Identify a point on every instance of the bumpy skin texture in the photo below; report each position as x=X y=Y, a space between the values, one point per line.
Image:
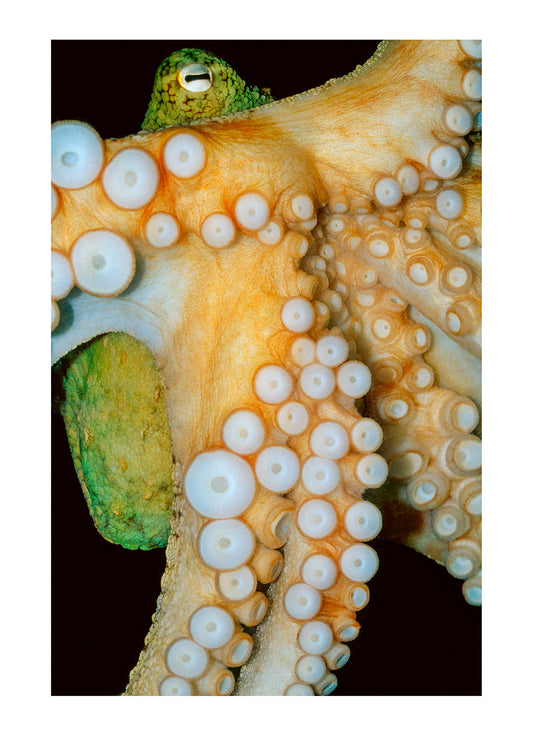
x=117 y=428
x=329 y=269
x=172 y=104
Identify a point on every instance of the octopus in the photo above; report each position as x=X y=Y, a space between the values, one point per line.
x=303 y=280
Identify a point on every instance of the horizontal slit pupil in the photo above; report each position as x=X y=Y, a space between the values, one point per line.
x=196 y=76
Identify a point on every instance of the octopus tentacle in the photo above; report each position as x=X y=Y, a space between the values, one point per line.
x=340 y=216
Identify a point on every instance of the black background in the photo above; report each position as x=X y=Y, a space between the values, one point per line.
x=418 y=636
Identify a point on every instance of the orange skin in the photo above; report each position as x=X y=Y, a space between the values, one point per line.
x=268 y=137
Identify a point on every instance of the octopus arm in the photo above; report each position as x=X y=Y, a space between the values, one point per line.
x=278 y=315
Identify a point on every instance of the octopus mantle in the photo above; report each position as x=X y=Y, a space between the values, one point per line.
x=306 y=276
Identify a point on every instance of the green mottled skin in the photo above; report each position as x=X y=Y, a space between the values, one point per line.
x=171 y=104
x=113 y=406
x=114 y=447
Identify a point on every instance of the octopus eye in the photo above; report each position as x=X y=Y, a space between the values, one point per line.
x=195 y=77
